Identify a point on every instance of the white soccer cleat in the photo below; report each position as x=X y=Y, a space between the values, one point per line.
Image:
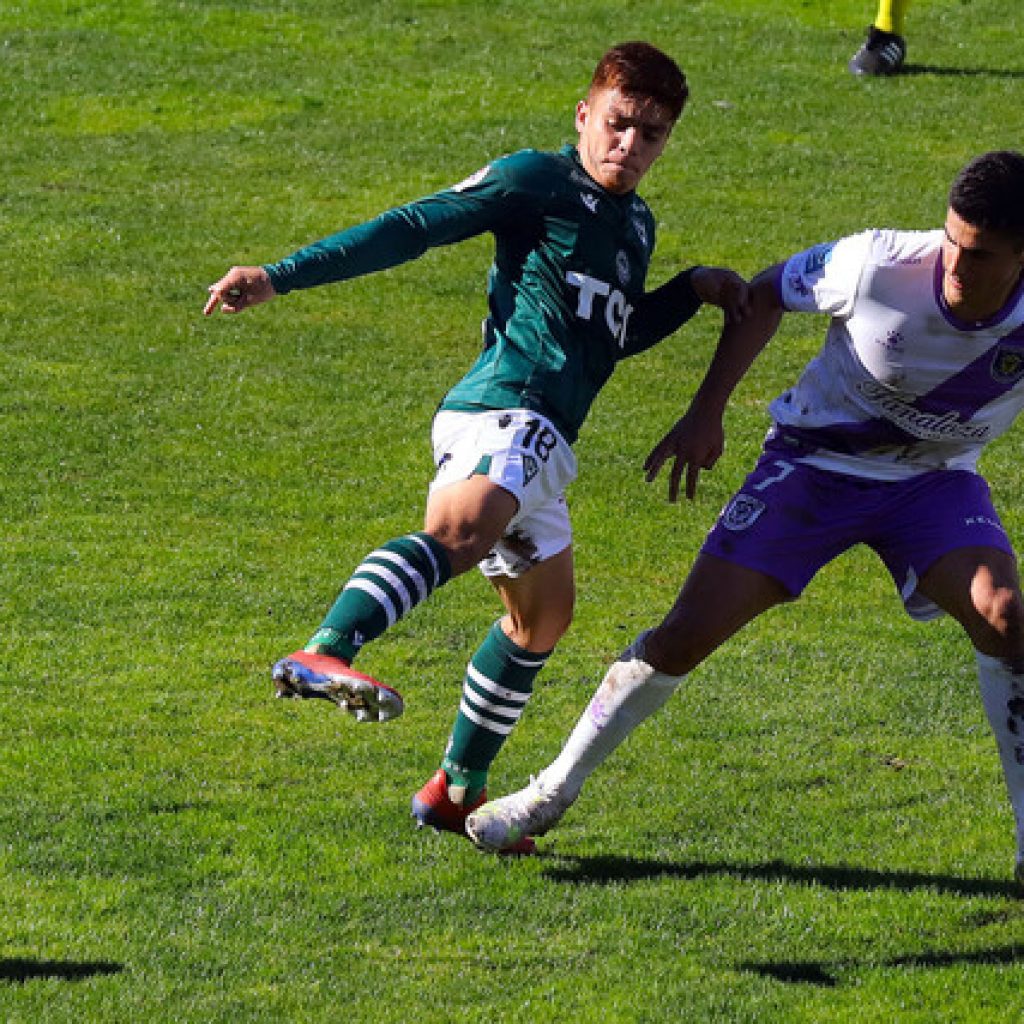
x=500 y=824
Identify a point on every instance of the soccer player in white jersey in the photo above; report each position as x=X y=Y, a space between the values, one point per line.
x=877 y=443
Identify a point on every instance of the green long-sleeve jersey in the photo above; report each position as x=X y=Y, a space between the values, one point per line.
x=565 y=293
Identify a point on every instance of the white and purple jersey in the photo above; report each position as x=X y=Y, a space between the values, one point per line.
x=901 y=386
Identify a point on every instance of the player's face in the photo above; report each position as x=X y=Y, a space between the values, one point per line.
x=621 y=135
x=980 y=268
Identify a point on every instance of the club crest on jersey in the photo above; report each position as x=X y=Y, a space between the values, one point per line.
x=1007 y=364
x=589 y=201
x=530 y=468
x=742 y=512
x=622 y=267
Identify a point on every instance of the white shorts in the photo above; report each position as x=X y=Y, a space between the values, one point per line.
x=523 y=453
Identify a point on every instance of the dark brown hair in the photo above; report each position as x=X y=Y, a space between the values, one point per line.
x=640 y=69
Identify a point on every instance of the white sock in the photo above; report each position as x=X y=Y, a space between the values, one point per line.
x=631 y=691
x=1002 y=693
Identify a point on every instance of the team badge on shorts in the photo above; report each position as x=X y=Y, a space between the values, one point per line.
x=530 y=469
x=742 y=512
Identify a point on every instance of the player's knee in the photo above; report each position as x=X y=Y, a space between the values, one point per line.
x=542 y=631
x=1002 y=609
x=464 y=545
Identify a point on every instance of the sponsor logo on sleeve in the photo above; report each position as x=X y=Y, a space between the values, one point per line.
x=818 y=258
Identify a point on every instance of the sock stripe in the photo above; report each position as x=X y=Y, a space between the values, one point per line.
x=425 y=547
x=486 y=723
x=393 y=582
x=536 y=661
x=487 y=709
x=481 y=682
x=496 y=712
x=409 y=572
x=379 y=595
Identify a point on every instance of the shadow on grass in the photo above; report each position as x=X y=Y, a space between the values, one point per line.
x=823 y=973
x=604 y=870
x=949 y=72
x=21 y=970
x=609 y=870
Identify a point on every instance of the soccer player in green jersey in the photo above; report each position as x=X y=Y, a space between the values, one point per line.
x=566 y=302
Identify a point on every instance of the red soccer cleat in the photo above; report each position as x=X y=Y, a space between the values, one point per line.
x=305 y=675
x=434 y=807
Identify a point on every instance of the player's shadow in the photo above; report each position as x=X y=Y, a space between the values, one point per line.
x=609 y=870
x=940 y=70
x=825 y=973
x=25 y=969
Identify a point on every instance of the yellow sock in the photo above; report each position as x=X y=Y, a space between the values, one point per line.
x=890 y=16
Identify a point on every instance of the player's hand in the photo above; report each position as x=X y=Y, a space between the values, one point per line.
x=238 y=289
x=724 y=288
x=694 y=443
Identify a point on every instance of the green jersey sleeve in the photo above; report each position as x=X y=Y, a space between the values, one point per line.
x=480 y=204
x=661 y=312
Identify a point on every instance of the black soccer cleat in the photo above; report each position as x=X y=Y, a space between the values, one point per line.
x=882 y=53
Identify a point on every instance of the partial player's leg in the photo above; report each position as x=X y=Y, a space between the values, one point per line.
x=885 y=49
x=980 y=588
x=497 y=685
x=463 y=521
x=500 y=676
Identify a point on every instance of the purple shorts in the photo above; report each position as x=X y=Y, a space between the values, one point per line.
x=789 y=519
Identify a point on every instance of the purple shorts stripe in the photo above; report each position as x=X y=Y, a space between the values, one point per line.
x=789 y=519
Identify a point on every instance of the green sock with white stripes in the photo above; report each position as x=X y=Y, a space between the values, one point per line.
x=498 y=683
x=387 y=584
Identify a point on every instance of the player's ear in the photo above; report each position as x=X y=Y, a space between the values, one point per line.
x=582 y=113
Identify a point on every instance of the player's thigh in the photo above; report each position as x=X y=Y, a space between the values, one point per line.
x=517 y=449
x=540 y=602
x=980 y=588
x=467 y=517
x=717 y=600
x=947 y=550
x=500 y=474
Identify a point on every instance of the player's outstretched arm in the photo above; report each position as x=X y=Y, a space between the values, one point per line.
x=238 y=289
x=697 y=440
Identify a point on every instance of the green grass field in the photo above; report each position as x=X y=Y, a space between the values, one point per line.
x=814 y=830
